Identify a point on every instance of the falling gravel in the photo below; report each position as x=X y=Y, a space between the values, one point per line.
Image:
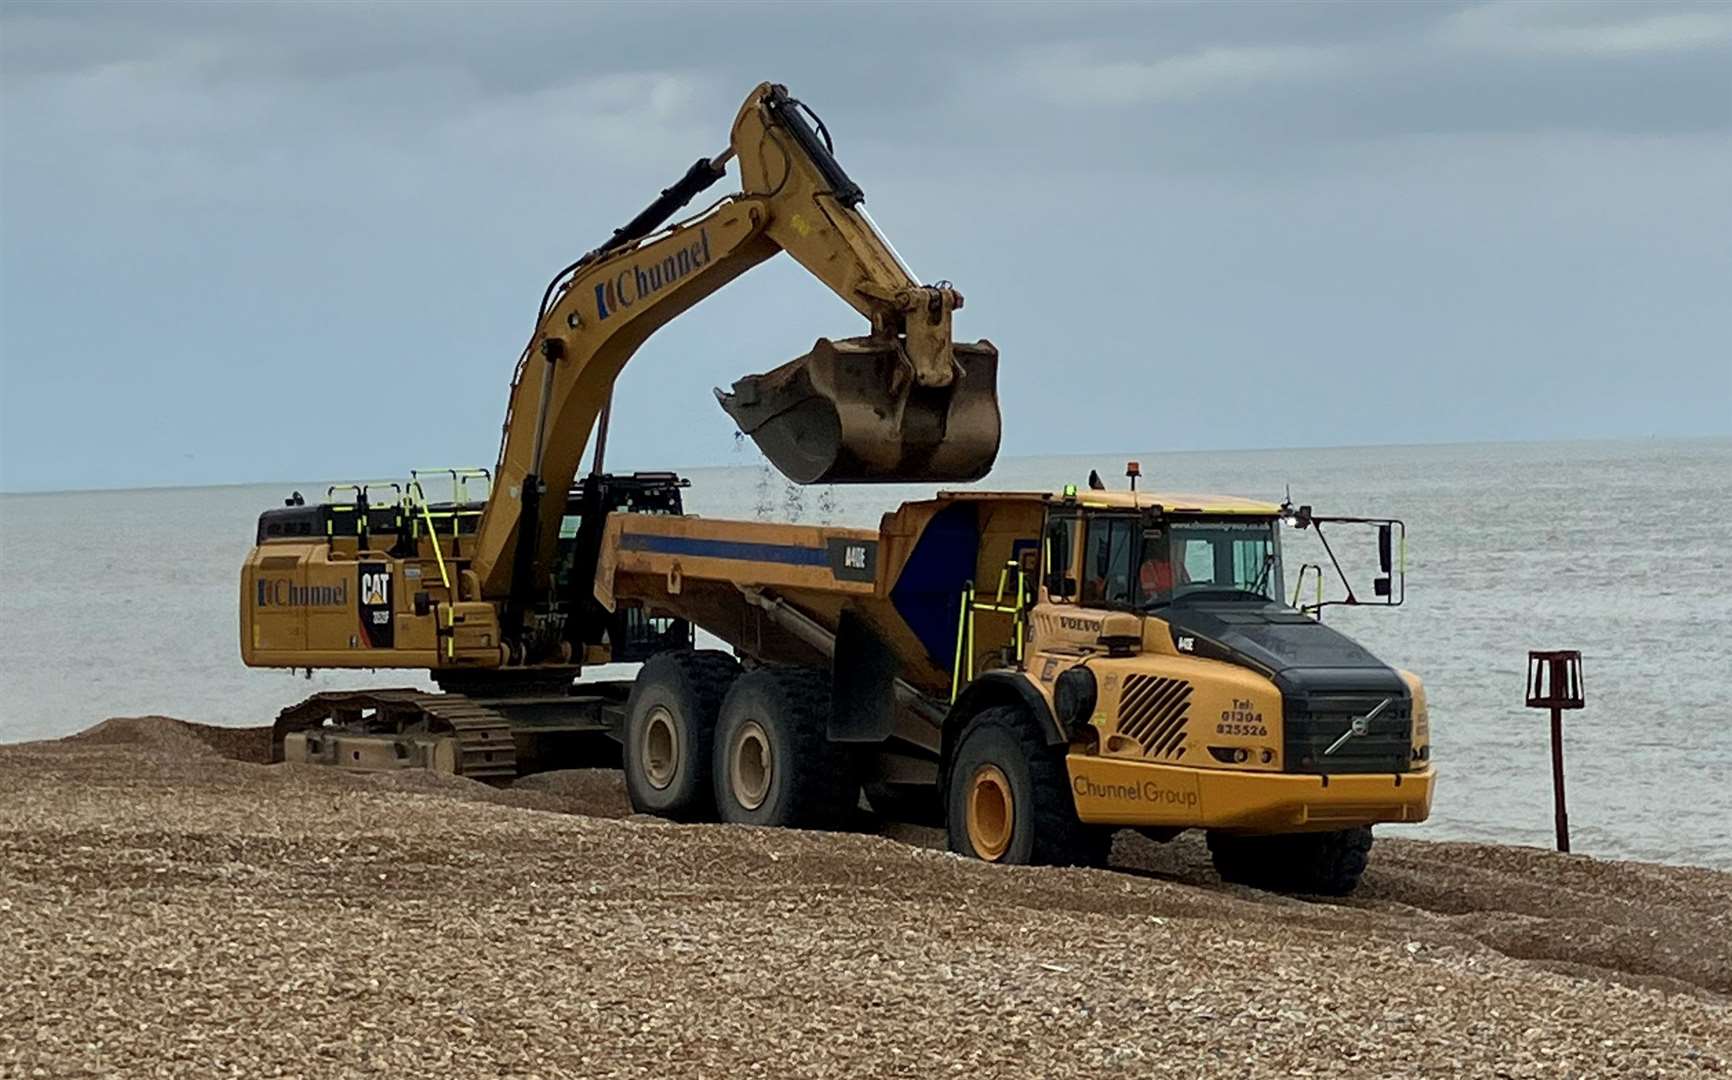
x=171 y=907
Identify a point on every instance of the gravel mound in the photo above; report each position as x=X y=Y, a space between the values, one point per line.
x=593 y=792
x=191 y=915
x=159 y=734
x=163 y=734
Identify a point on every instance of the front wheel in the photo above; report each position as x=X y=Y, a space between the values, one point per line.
x=1325 y=863
x=1007 y=801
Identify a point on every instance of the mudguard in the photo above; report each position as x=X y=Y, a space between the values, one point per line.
x=863 y=693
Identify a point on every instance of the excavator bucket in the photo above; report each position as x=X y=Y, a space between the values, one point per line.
x=848 y=412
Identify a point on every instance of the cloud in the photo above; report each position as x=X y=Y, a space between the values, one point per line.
x=373 y=195
x=1077 y=76
x=656 y=118
x=1588 y=30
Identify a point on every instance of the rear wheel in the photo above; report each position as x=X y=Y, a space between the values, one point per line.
x=1325 y=863
x=669 y=730
x=774 y=763
x=1007 y=801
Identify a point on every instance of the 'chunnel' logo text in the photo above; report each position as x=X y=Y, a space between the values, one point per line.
x=281 y=592
x=1148 y=791
x=634 y=283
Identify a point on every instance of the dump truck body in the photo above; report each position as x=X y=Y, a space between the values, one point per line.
x=1194 y=702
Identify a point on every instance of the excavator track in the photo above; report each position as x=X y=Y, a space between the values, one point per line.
x=381 y=730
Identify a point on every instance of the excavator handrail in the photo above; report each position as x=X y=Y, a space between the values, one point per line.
x=432 y=534
x=459 y=479
x=360 y=508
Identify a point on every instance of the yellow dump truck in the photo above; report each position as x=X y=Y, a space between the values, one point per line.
x=1035 y=670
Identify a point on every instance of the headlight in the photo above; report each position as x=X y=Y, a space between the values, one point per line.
x=1073 y=698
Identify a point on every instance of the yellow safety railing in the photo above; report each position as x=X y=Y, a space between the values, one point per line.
x=363 y=498
x=334 y=508
x=459 y=496
x=455 y=517
x=962 y=665
x=1299 y=586
x=416 y=499
x=459 y=480
x=397 y=502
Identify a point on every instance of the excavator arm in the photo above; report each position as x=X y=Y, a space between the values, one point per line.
x=902 y=403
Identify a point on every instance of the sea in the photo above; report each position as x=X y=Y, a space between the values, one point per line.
x=123 y=603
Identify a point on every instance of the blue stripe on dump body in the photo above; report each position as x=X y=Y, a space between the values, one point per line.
x=792 y=554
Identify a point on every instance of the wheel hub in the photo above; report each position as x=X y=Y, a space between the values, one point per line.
x=991 y=812
x=750 y=768
x=660 y=747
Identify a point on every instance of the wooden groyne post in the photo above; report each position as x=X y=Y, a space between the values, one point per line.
x=1555 y=683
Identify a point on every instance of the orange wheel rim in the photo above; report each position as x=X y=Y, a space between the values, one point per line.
x=991 y=812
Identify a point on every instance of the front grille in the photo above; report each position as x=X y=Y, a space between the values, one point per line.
x=1154 y=711
x=1313 y=724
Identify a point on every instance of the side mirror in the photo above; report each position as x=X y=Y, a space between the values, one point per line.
x=1390 y=584
x=1121 y=633
x=1029 y=563
x=1066 y=587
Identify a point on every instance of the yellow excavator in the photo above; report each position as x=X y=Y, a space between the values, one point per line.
x=494 y=595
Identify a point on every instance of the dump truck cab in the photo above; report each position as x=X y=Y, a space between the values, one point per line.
x=1191 y=692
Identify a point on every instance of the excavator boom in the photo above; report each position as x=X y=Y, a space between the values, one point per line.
x=902 y=402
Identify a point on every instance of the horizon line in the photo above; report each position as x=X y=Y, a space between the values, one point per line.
x=684 y=469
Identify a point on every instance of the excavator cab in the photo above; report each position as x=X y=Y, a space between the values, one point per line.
x=851 y=412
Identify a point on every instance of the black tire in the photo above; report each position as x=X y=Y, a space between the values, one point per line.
x=773 y=761
x=1043 y=829
x=1322 y=863
x=670 y=726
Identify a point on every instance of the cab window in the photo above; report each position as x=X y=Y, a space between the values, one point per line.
x=1197 y=556
x=1108 y=561
x=1060 y=556
x=1226 y=557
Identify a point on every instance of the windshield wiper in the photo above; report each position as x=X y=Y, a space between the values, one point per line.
x=1268 y=563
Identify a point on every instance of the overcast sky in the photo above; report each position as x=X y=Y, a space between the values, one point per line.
x=258 y=242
